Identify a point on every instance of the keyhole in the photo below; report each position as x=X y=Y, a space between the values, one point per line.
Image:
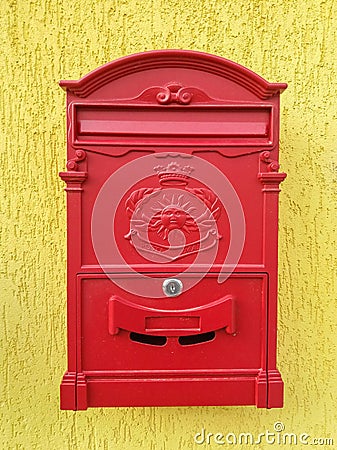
x=172 y=287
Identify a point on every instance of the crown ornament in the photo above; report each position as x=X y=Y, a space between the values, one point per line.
x=173 y=174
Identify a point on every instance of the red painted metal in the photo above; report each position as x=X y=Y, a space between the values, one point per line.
x=165 y=319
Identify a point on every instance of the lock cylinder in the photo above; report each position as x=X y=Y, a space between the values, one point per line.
x=172 y=287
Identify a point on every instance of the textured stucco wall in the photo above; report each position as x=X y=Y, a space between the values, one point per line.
x=44 y=41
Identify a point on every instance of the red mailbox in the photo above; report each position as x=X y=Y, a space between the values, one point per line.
x=172 y=211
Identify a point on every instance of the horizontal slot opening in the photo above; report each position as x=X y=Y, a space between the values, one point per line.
x=148 y=339
x=97 y=124
x=133 y=127
x=196 y=338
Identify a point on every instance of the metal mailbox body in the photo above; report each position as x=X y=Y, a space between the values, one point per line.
x=172 y=213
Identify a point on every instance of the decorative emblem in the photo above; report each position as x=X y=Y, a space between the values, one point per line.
x=273 y=166
x=175 y=92
x=173 y=220
x=80 y=155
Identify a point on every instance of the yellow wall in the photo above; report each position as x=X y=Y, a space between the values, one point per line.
x=47 y=40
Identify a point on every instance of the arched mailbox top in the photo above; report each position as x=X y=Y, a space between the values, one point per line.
x=142 y=100
x=189 y=60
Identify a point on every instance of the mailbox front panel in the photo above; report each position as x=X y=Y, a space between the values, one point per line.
x=226 y=330
x=172 y=186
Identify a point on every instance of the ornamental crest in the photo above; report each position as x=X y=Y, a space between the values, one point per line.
x=172 y=220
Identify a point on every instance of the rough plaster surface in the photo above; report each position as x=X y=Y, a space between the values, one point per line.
x=44 y=41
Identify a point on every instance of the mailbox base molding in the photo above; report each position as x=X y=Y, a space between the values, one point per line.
x=269 y=389
x=68 y=393
x=232 y=389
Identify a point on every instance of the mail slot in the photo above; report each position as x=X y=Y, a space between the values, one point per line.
x=172 y=188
